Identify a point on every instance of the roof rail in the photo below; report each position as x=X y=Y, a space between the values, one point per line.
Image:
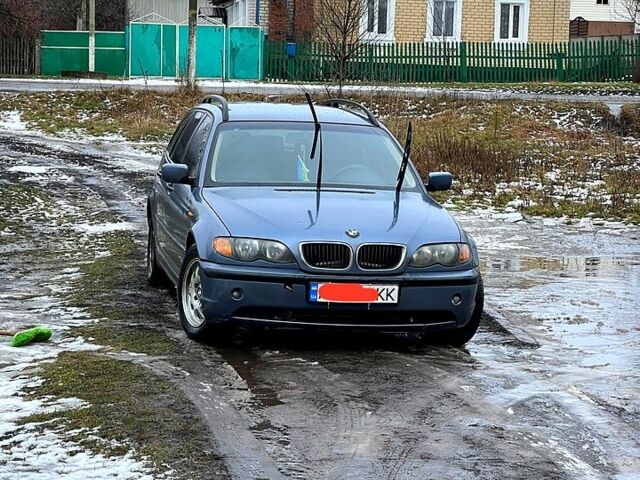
x=354 y=107
x=220 y=102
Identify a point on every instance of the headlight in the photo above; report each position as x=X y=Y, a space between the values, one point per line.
x=447 y=254
x=247 y=249
x=251 y=249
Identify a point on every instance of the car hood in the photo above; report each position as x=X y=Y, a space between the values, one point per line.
x=290 y=215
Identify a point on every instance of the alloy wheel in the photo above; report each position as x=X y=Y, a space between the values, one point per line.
x=191 y=297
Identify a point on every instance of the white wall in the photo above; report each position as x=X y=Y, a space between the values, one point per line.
x=590 y=10
x=264 y=13
x=177 y=10
x=174 y=10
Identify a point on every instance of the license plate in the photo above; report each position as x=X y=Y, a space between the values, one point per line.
x=353 y=293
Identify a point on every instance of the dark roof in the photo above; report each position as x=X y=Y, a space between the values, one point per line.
x=283 y=112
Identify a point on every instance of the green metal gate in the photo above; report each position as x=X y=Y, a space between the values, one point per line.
x=210 y=41
x=159 y=49
x=69 y=51
x=245 y=47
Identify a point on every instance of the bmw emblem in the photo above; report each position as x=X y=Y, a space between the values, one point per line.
x=352 y=232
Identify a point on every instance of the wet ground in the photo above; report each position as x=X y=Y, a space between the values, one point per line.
x=294 y=405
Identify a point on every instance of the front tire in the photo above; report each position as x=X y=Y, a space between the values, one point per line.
x=190 y=306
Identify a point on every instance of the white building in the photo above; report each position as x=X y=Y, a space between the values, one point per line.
x=601 y=18
x=238 y=12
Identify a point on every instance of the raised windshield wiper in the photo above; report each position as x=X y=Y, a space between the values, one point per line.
x=317 y=142
x=401 y=175
x=405 y=158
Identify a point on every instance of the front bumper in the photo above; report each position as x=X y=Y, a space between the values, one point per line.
x=279 y=298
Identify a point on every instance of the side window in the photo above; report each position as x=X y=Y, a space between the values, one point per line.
x=179 y=149
x=195 y=150
x=176 y=134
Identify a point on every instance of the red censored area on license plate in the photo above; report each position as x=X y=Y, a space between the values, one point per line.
x=353 y=293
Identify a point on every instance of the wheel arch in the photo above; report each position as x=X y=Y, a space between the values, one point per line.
x=191 y=239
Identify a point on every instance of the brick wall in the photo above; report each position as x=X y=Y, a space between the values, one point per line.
x=264 y=14
x=303 y=19
x=303 y=23
x=478 y=20
x=547 y=25
x=411 y=20
x=277 y=19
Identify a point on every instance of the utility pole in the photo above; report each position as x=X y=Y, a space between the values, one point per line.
x=191 y=49
x=92 y=35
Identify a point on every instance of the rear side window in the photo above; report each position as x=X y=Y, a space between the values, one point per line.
x=196 y=146
x=176 y=134
x=177 y=153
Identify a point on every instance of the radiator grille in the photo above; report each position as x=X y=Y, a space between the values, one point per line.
x=333 y=256
x=380 y=256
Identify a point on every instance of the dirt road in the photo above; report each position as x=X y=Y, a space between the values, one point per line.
x=293 y=405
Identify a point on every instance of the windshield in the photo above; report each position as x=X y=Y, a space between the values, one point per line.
x=260 y=153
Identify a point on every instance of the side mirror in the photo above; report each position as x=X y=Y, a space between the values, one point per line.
x=439 y=181
x=176 y=173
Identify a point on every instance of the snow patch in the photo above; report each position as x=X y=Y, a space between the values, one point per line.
x=41 y=453
x=12 y=121
x=32 y=169
x=98 y=229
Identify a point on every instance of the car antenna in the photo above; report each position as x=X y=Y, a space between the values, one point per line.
x=317 y=142
x=405 y=157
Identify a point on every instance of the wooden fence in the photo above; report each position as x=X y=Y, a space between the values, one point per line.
x=18 y=56
x=607 y=60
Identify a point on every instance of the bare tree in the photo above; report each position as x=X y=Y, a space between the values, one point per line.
x=191 y=49
x=630 y=10
x=21 y=17
x=343 y=28
x=28 y=17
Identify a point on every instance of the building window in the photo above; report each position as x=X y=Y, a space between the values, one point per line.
x=512 y=21
x=378 y=18
x=237 y=13
x=602 y=2
x=444 y=19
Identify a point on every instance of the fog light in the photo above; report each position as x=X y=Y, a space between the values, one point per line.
x=237 y=294
x=456 y=299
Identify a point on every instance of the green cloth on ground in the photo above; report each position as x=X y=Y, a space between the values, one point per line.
x=36 y=334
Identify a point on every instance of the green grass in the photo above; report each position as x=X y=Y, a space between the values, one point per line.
x=630 y=119
x=109 y=289
x=629 y=88
x=128 y=409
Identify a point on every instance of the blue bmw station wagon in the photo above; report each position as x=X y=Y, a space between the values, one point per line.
x=308 y=215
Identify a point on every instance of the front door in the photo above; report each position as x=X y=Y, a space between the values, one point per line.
x=180 y=205
x=170 y=199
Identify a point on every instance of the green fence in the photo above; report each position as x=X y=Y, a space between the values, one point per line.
x=160 y=50
x=69 y=51
x=457 y=62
